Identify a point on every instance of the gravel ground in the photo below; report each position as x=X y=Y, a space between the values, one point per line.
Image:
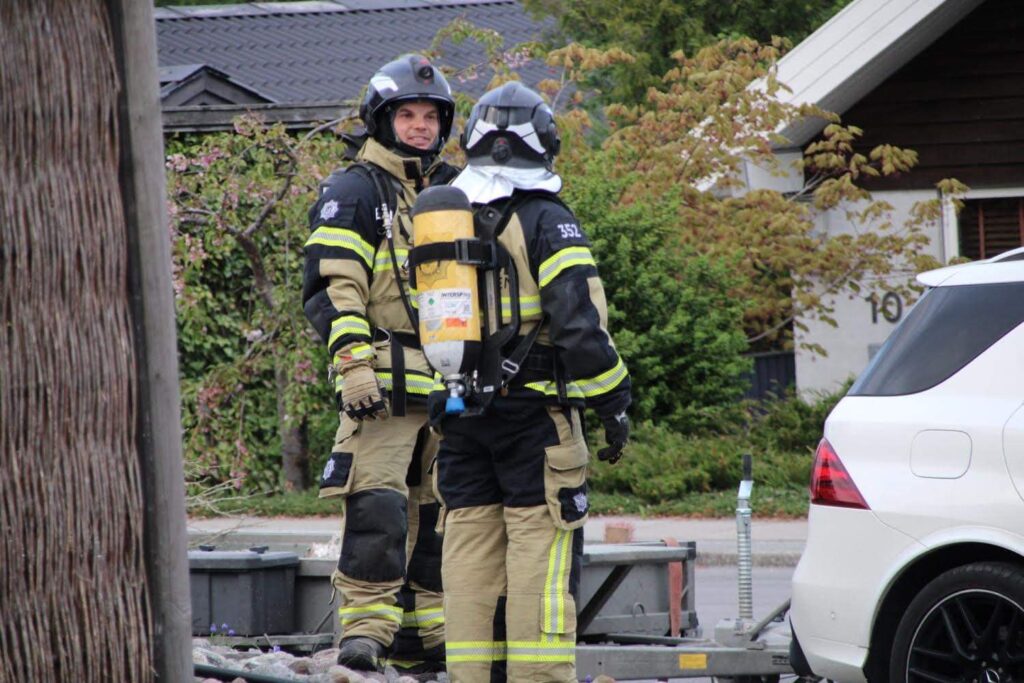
x=320 y=667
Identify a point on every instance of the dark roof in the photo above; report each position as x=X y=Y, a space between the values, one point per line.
x=311 y=54
x=199 y=84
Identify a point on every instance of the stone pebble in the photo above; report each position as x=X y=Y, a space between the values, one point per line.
x=319 y=667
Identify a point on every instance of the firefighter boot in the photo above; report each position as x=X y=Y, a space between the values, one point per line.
x=361 y=654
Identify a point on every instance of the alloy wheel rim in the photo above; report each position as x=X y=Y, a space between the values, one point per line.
x=971 y=636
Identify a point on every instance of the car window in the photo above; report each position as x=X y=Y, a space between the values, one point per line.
x=946 y=330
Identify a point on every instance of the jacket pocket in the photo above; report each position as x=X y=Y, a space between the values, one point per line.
x=565 y=483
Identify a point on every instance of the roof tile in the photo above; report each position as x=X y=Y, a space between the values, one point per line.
x=302 y=54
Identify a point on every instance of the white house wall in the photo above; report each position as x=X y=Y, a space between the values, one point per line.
x=862 y=326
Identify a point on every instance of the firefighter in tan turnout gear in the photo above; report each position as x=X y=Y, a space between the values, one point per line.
x=512 y=475
x=355 y=293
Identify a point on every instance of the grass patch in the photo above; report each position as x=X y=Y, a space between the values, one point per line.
x=292 y=504
x=767 y=502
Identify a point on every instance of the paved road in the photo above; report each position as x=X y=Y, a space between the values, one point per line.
x=774 y=542
x=717 y=598
x=717 y=593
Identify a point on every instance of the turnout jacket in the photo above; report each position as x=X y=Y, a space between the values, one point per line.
x=350 y=290
x=573 y=360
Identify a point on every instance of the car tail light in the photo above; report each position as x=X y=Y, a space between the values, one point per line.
x=831 y=484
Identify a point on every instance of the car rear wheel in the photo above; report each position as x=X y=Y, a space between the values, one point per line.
x=966 y=625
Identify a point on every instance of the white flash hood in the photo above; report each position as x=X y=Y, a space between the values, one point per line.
x=484 y=184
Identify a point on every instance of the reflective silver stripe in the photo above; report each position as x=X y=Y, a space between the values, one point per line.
x=604 y=382
x=475 y=651
x=551 y=389
x=528 y=306
x=382 y=261
x=345 y=239
x=541 y=651
x=423 y=617
x=559 y=558
x=379 y=610
x=414 y=384
x=348 y=324
x=357 y=351
x=563 y=260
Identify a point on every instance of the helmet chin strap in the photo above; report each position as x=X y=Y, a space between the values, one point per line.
x=425 y=155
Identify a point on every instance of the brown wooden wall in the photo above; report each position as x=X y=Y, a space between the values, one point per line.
x=960 y=104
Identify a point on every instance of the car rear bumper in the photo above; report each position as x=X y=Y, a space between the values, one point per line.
x=849 y=560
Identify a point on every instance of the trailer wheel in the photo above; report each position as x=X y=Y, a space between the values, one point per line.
x=967 y=624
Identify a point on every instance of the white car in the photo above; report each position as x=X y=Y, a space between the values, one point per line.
x=914 y=564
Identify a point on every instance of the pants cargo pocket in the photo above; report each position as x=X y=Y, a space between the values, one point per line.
x=558 y=615
x=336 y=479
x=565 y=483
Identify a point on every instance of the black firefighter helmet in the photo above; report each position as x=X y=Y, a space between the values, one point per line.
x=410 y=78
x=512 y=126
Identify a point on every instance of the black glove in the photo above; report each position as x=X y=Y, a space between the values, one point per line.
x=435 y=407
x=616 y=434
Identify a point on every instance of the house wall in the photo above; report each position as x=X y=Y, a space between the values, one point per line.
x=862 y=324
x=959 y=104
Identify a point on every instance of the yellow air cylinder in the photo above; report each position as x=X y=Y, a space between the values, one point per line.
x=448 y=297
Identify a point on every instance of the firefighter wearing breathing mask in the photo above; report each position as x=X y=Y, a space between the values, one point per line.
x=512 y=466
x=356 y=295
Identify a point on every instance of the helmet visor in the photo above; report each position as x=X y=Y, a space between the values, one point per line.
x=503 y=117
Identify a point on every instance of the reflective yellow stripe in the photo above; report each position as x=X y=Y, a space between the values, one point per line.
x=405 y=663
x=348 y=324
x=345 y=239
x=559 y=559
x=378 y=610
x=551 y=389
x=528 y=306
x=414 y=383
x=604 y=382
x=562 y=260
x=541 y=651
x=357 y=351
x=382 y=261
x=423 y=617
x=475 y=651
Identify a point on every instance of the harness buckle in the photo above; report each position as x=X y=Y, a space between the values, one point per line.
x=475 y=252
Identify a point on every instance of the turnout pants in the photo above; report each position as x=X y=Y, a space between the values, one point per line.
x=514 y=494
x=389 y=572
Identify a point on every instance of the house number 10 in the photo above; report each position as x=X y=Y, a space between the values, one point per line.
x=890 y=307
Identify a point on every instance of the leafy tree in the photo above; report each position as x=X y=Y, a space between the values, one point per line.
x=653 y=30
x=686 y=146
x=252 y=368
x=671 y=311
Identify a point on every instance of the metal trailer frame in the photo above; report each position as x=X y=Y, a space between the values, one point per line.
x=745 y=649
x=742 y=650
